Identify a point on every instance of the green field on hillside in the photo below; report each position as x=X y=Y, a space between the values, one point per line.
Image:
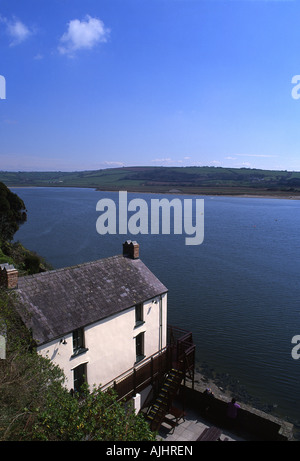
x=190 y=180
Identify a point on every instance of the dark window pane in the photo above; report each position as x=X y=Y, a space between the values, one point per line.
x=79 y=376
x=78 y=339
x=139 y=344
x=139 y=313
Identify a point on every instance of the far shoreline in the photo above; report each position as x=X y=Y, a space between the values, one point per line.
x=166 y=192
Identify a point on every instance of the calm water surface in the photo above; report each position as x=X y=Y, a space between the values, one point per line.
x=238 y=292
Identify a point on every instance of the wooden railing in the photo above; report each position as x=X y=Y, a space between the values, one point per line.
x=180 y=351
x=182 y=343
x=137 y=378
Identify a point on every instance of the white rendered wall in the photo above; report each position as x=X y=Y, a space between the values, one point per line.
x=111 y=343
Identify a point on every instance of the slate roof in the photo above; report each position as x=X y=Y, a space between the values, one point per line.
x=60 y=301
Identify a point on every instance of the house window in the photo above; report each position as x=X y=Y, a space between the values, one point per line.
x=139 y=347
x=139 y=314
x=79 y=377
x=78 y=342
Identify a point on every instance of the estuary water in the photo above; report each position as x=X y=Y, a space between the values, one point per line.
x=238 y=292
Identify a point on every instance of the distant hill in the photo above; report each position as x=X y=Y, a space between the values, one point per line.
x=188 y=180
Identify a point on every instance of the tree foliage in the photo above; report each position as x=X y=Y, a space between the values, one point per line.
x=25 y=376
x=36 y=406
x=92 y=415
x=12 y=213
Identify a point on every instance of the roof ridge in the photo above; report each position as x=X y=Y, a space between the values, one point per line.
x=75 y=266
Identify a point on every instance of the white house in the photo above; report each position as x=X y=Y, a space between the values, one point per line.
x=95 y=320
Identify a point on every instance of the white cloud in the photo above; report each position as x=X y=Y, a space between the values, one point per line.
x=114 y=164
x=38 y=57
x=257 y=155
x=17 y=31
x=163 y=161
x=17 y=161
x=83 y=34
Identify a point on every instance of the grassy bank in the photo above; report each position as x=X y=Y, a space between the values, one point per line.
x=27 y=262
x=182 y=180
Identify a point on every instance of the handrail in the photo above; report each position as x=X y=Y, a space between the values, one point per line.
x=135 y=376
x=190 y=349
x=171 y=327
x=131 y=370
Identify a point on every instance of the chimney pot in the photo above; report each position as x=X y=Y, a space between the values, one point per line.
x=131 y=249
x=8 y=276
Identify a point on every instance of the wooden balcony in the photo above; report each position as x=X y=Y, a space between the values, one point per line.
x=179 y=352
x=183 y=351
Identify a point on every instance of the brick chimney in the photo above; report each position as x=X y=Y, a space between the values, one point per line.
x=8 y=276
x=131 y=249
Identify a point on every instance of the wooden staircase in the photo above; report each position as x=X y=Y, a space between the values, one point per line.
x=159 y=409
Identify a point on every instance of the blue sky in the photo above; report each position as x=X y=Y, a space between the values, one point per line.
x=102 y=83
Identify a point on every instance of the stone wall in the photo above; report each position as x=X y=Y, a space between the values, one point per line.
x=254 y=424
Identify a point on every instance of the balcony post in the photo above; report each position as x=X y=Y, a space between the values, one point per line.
x=134 y=380
x=151 y=370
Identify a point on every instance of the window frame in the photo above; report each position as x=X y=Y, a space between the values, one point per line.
x=139 y=315
x=140 y=347
x=78 y=339
x=79 y=376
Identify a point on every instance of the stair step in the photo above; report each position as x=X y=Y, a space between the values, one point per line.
x=174 y=370
x=163 y=404
x=171 y=383
x=160 y=407
x=152 y=412
x=156 y=415
x=169 y=386
x=171 y=378
x=163 y=398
